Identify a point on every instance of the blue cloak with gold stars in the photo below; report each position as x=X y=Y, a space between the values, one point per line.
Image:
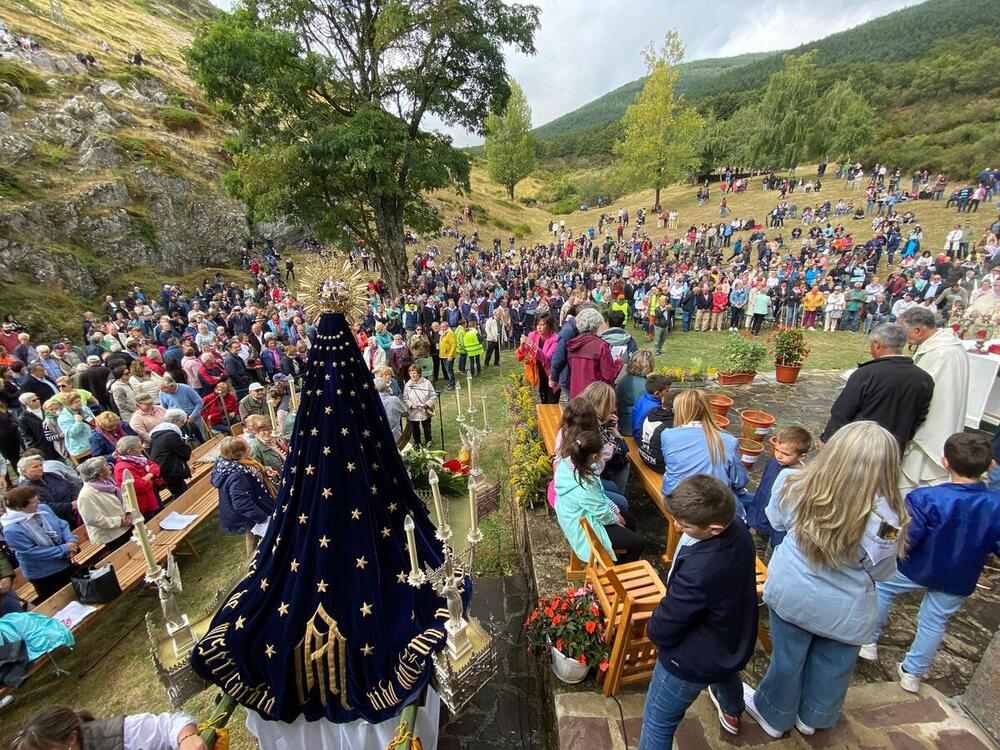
x=326 y=625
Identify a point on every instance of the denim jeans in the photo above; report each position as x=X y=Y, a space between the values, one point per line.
x=668 y=698
x=619 y=478
x=808 y=677
x=461 y=362
x=932 y=619
x=791 y=315
x=448 y=367
x=850 y=322
x=611 y=490
x=686 y=320
x=475 y=366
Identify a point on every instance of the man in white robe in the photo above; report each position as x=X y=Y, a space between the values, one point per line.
x=941 y=354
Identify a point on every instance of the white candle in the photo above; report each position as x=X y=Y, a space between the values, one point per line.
x=484 y=412
x=291 y=394
x=411 y=543
x=473 y=511
x=469 y=386
x=432 y=479
x=141 y=535
x=270 y=411
x=458 y=399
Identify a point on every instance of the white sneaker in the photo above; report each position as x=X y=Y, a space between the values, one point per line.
x=869 y=652
x=909 y=682
x=811 y=328
x=803 y=728
x=755 y=714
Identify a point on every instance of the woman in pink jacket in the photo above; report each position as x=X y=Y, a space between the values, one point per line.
x=537 y=347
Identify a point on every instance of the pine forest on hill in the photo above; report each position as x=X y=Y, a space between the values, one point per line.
x=925 y=70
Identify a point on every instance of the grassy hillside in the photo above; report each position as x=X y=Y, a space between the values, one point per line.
x=695 y=76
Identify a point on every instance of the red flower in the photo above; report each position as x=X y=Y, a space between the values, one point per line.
x=559 y=645
x=556 y=620
x=582 y=659
x=603 y=666
x=549 y=612
x=595 y=610
x=455 y=466
x=591 y=626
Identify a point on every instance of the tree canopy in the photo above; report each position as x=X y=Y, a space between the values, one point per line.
x=330 y=98
x=509 y=145
x=661 y=138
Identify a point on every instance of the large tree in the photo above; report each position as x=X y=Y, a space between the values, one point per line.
x=786 y=114
x=662 y=136
x=509 y=145
x=845 y=123
x=330 y=100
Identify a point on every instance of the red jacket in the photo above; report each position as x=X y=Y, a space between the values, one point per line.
x=213 y=412
x=589 y=359
x=145 y=491
x=720 y=300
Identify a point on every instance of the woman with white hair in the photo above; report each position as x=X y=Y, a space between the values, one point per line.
x=588 y=356
x=171 y=452
x=211 y=373
x=101 y=507
x=143 y=380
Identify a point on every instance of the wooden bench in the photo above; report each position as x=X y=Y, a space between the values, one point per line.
x=652 y=482
x=549 y=419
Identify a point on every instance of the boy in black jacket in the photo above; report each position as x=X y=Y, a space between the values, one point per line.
x=706 y=625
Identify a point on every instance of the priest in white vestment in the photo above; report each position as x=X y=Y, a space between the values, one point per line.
x=941 y=354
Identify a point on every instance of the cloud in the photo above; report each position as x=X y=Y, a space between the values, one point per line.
x=589 y=47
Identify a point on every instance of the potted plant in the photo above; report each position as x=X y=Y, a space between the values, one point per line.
x=570 y=629
x=741 y=358
x=790 y=352
x=452 y=475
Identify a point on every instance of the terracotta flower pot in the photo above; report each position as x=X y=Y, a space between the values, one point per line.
x=749 y=450
x=786 y=373
x=756 y=424
x=736 y=378
x=721 y=422
x=720 y=404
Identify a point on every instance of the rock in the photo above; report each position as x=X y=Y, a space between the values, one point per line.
x=110 y=89
x=98 y=152
x=4 y=122
x=10 y=97
x=15 y=147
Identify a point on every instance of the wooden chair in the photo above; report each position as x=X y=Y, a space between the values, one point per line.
x=237 y=429
x=652 y=482
x=79 y=458
x=634 y=586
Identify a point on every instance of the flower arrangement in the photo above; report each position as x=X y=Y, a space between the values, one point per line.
x=741 y=354
x=452 y=475
x=790 y=347
x=572 y=624
x=530 y=467
x=696 y=373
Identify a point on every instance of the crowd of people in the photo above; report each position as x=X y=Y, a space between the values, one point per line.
x=155 y=373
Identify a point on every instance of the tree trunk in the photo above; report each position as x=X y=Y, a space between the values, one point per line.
x=657 y=201
x=510 y=191
x=391 y=248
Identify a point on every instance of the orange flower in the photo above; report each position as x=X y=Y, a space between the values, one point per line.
x=582 y=659
x=549 y=611
x=559 y=645
x=603 y=666
x=591 y=626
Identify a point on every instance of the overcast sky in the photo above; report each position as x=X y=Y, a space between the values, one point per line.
x=586 y=48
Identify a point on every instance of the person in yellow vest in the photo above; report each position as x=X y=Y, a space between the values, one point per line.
x=460 y=344
x=447 y=348
x=621 y=305
x=473 y=348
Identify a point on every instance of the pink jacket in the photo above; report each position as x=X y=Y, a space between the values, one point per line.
x=589 y=359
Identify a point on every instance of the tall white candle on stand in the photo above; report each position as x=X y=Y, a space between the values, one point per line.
x=473 y=511
x=270 y=411
x=141 y=535
x=468 y=385
x=484 y=412
x=458 y=399
x=411 y=544
x=432 y=479
x=291 y=394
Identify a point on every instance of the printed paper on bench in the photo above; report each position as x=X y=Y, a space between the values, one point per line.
x=176 y=521
x=73 y=614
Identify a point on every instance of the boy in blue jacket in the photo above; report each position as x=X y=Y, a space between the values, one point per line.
x=790 y=446
x=656 y=388
x=955 y=527
x=706 y=625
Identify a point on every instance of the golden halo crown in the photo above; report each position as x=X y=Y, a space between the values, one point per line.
x=330 y=284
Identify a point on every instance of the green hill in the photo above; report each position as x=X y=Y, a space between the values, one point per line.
x=695 y=76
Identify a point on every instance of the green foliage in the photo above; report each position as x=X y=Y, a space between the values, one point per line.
x=786 y=114
x=844 y=123
x=661 y=143
x=11 y=187
x=177 y=119
x=790 y=347
x=26 y=80
x=509 y=146
x=338 y=145
x=741 y=354
x=147 y=152
x=51 y=154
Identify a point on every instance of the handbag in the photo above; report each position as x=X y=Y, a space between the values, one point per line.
x=531 y=371
x=100 y=589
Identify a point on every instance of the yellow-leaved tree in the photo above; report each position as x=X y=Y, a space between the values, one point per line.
x=662 y=136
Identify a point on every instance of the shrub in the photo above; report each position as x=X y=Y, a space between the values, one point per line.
x=177 y=119
x=741 y=355
x=572 y=624
x=530 y=467
x=790 y=347
x=26 y=80
x=50 y=154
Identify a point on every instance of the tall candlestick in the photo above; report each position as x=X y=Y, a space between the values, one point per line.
x=270 y=411
x=468 y=385
x=475 y=535
x=141 y=536
x=291 y=394
x=411 y=543
x=484 y=412
x=432 y=479
x=458 y=399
